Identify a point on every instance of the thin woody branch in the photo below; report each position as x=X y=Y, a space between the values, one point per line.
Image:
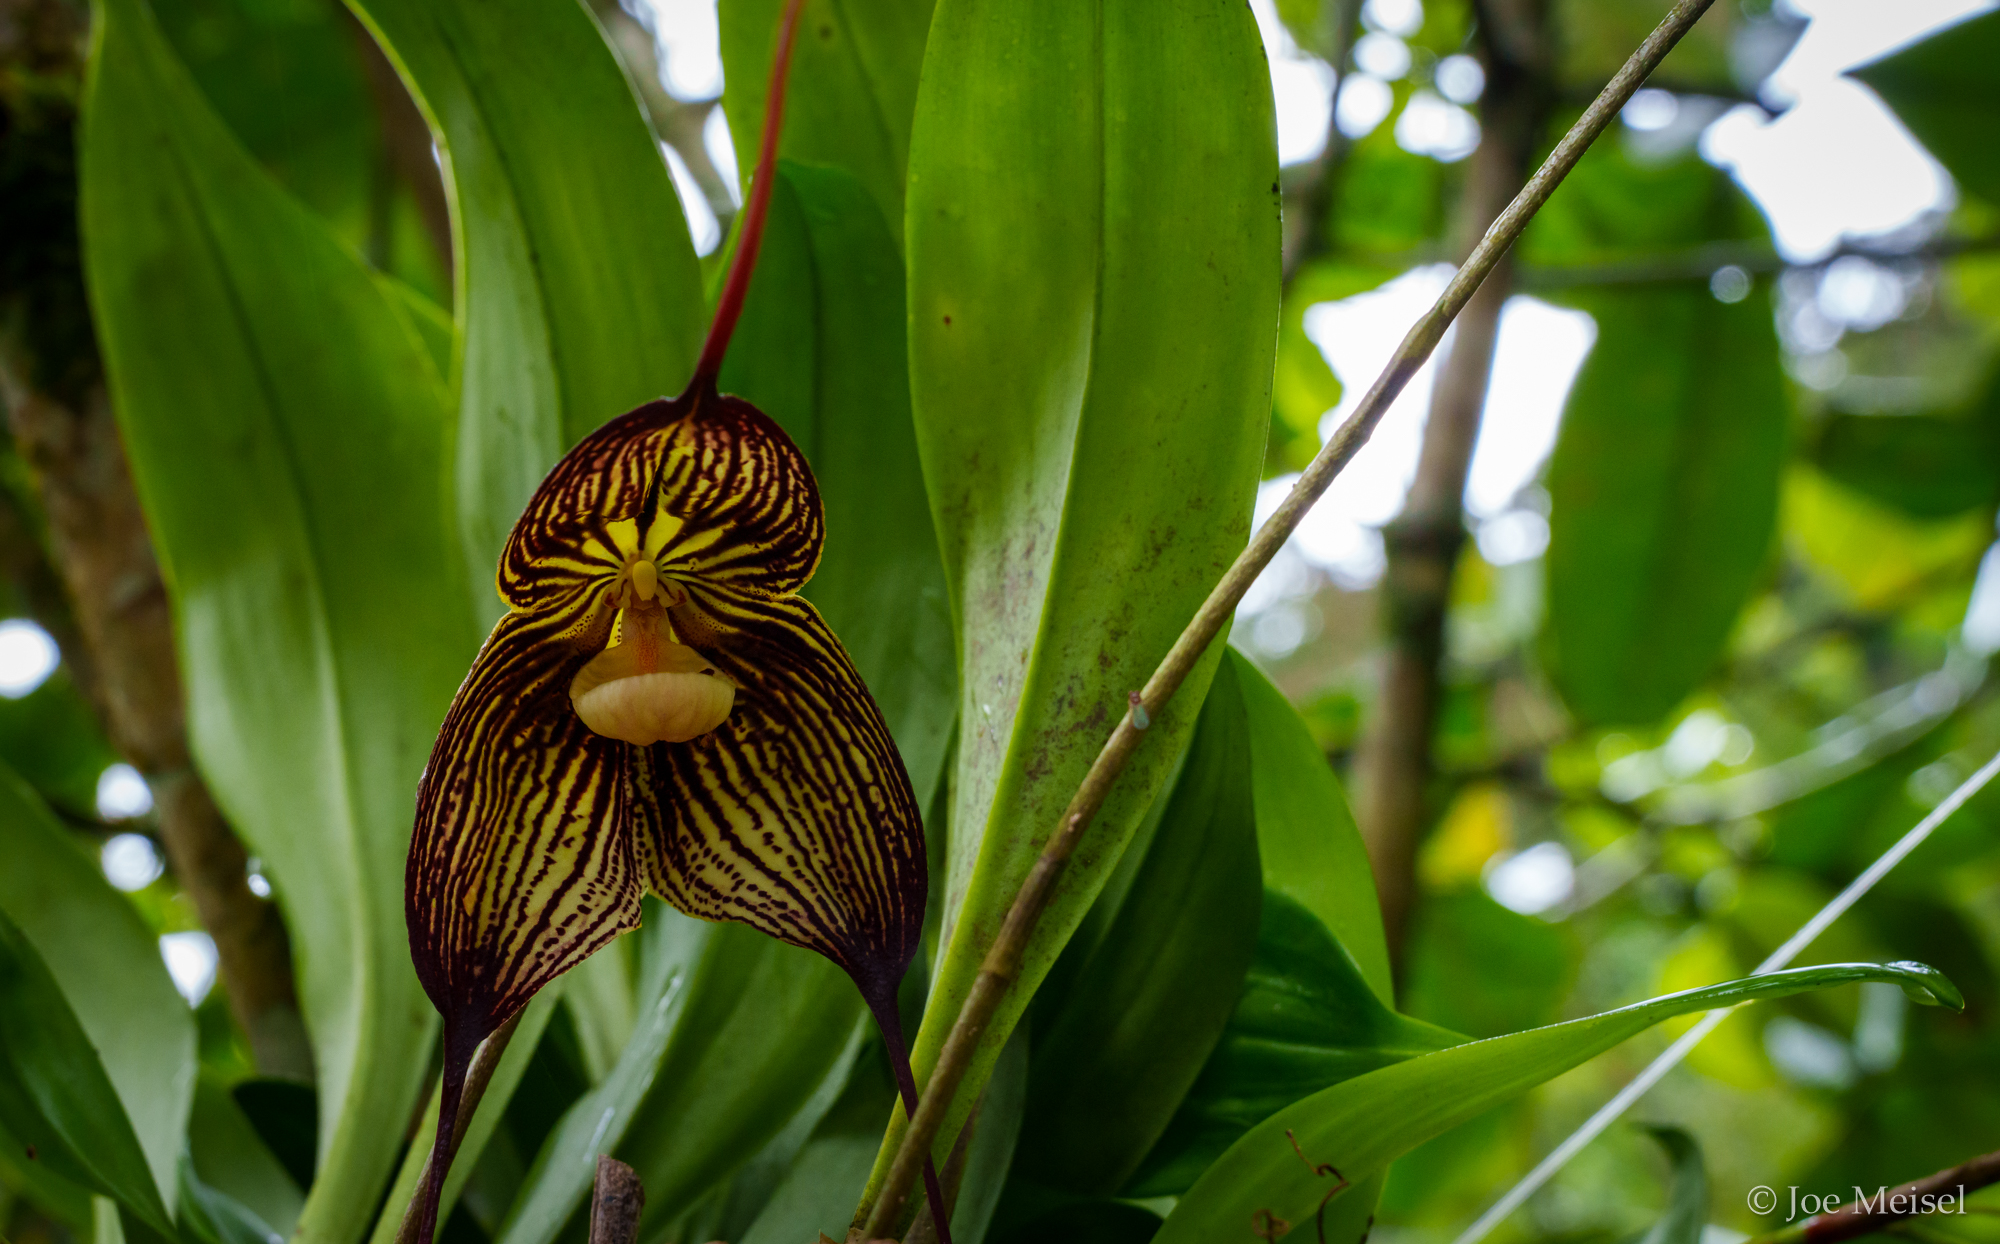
x=676 y=122
x=1003 y=961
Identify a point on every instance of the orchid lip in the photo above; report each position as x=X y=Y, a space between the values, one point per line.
x=649 y=688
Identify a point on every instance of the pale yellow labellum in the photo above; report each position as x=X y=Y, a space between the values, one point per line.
x=648 y=689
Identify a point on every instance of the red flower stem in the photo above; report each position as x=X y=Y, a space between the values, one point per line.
x=730 y=306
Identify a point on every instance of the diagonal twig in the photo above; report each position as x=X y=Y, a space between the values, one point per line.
x=1003 y=961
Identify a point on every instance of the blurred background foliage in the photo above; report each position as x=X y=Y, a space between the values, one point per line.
x=1722 y=629
x=1728 y=639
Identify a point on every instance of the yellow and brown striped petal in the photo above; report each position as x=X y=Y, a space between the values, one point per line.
x=795 y=816
x=550 y=554
x=523 y=861
x=708 y=485
x=535 y=837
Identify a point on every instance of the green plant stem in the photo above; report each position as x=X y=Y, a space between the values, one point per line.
x=1003 y=961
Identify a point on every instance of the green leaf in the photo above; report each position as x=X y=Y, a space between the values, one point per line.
x=1149 y=1004
x=55 y=1098
x=1093 y=309
x=602 y=1006
x=1598 y=35
x=1308 y=22
x=675 y=951
x=1620 y=204
x=1926 y=465
x=821 y=349
x=580 y=296
x=285 y=1115
x=1313 y=858
x=286 y=429
x=818 y=1191
x=209 y=1216
x=1943 y=88
x=1479 y=968
x=735 y=1032
x=1304 y=388
x=1306 y=1020
x=67 y=1201
x=107 y=964
x=733 y=1206
x=1306 y=837
x=486 y=1117
x=325 y=144
x=229 y=1157
x=1687 y=1190
x=996 y=1135
x=1389 y=200
x=852 y=93
x=1359 y=1126
x=765 y=1024
x=1663 y=497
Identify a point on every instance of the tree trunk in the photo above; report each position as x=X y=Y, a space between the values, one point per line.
x=52 y=383
x=1394 y=766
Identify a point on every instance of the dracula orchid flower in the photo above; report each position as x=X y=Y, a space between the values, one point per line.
x=660 y=711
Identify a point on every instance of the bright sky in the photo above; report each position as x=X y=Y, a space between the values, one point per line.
x=1536 y=357
x=1836 y=161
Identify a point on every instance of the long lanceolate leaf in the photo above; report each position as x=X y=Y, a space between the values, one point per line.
x=1093 y=310
x=854 y=88
x=56 y=1102
x=1664 y=494
x=1279 y=1171
x=579 y=293
x=107 y=965
x=1151 y=1001
x=285 y=424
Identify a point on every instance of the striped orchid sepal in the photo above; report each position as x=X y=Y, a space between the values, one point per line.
x=660 y=710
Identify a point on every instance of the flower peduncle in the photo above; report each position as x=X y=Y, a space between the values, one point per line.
x=730 y=305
